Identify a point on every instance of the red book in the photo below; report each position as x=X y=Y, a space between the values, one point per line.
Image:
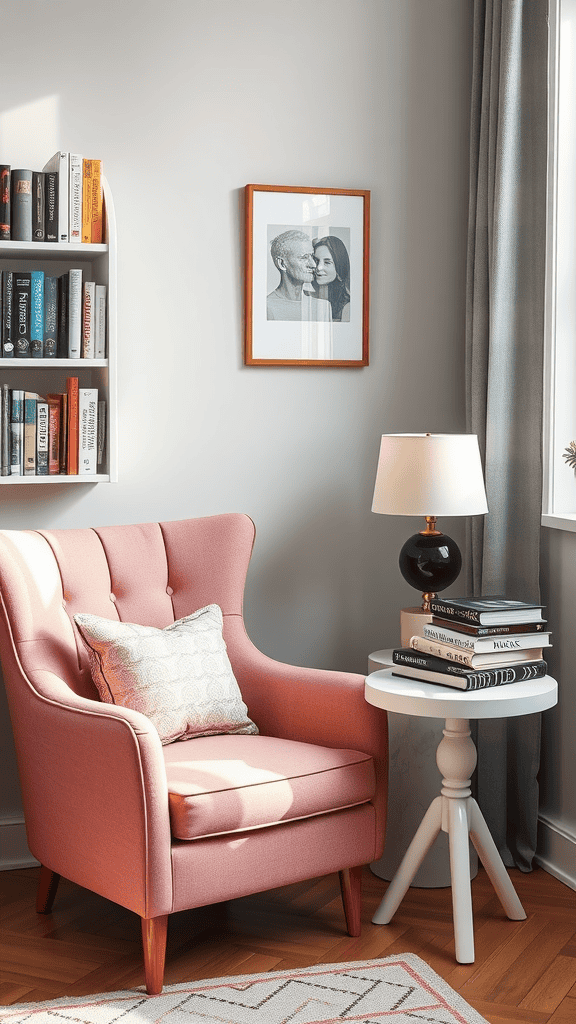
x=72 y=456
x=54 y=415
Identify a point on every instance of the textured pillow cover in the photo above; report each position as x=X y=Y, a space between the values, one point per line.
x=180 y=677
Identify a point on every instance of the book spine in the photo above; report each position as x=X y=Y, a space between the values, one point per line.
x=54 y=413
x=42 y=438
x=21 y=314
x=30 y=402
x=38 y=205
x=488 y=631
x=101 y=440
x=442 y=636
x=63 y=193
x=97 y=213
x=444 y=651
x=64 y=433
x=75 y=211
x=87 y=200
x=51 y=206
x=21 y=208
x=50 y=317
x=37 y=314
x=88 y=320
x=6 y=416
x=74 y=314
x=475 y=680
x=72 y=442
x=7 y=314
x=88 y=430
x=448 y=611
x=17 y=433
x=100 y=322
x=59 y=164
x=5 y=202
x=63 y=290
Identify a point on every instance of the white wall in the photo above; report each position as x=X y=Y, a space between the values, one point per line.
x=557 y=837
x=186 y=103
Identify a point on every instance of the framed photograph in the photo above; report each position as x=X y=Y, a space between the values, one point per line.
x=307 y=276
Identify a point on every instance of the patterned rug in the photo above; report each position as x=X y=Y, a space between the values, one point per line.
x=400 y=989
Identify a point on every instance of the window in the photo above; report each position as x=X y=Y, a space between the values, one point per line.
x=559 y=494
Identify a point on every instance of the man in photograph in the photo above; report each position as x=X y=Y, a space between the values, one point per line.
x=293 y=256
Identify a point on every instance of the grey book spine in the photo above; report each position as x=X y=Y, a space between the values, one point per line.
x=50 y=317
x=21 y=208
x=6 y=416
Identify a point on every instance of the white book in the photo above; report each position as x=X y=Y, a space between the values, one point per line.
x=100 y=322
x=42 y=438
x=75 y=314
x=75 y=199
x=87 y=430
x=60 y=162
x=485 y=644
x=101 y=442
x=88 y=311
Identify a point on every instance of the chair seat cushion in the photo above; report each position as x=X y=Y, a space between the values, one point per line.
x=220 y=784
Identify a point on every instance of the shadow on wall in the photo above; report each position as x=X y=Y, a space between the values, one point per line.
x=308 y=594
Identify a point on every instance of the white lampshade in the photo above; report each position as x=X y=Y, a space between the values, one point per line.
x=429 y=475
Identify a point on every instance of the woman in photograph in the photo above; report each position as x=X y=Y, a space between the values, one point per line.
x=332 y=275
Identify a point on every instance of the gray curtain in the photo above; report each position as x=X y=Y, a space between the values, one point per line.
x=504 y=360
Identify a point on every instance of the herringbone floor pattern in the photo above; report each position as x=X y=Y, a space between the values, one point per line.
x=524 y=971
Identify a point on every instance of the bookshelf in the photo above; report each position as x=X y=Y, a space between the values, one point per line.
x=98 y=263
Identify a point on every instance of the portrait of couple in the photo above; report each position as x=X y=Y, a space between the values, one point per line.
x=314 y=280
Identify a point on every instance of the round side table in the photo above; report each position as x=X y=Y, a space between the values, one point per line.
x=413 y=783
x=455 y=811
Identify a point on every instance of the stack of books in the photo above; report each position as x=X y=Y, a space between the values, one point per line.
x=45 y=317
x=53 y=434
x=475 y=643
x=61 y=203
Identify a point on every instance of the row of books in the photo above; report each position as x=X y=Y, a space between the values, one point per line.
x=56 y=434
x=44 y=317
x=61 y=203
x=475 y=643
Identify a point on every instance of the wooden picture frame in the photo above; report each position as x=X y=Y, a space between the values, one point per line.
x=306 y=286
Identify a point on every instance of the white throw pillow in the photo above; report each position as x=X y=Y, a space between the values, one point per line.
x=180 y=677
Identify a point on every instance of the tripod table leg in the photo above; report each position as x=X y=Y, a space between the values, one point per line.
x=425 y=835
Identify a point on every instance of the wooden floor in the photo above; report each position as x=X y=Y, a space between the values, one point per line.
x=524 y=971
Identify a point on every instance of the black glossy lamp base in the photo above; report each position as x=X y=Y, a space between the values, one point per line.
x=430 y=562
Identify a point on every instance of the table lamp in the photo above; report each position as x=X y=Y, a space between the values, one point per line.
x=429 y=475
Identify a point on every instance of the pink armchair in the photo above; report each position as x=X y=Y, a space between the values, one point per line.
x=102 y=796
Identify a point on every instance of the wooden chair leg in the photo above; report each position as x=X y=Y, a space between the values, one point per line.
x=47 y=886
x=154 y=932
x=351 y=887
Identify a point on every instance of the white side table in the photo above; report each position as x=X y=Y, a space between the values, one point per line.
x=455 y=811
x=414 y=781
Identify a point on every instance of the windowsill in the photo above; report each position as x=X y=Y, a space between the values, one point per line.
x=557 y=521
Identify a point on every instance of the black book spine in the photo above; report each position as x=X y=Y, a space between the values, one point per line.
x=51 y=206
x=21 y=314
x=476 y=679
x=50 y=317
x=4 y=202
x=38 y=200
x=21 y=210
x=62 y=350
x=7 y=314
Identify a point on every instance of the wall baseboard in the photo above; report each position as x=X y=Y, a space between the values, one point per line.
x=13 y=846
x=556 y=851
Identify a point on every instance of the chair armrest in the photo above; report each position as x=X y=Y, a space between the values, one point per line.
x=95 y=793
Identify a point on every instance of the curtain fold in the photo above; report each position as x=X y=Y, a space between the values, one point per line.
x=504 y=366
